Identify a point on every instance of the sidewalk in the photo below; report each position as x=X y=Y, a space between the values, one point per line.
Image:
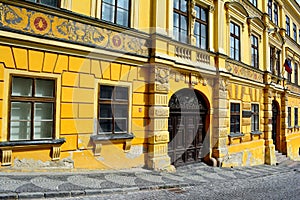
x=38 y=185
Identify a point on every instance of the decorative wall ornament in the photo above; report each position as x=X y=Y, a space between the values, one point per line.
x=186 y=100
x=161 y=74
x=193 y=16
x=161 y=138
x=243 y=72
x=223 y=85
x=51 y=26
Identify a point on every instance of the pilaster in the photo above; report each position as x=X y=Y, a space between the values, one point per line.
x=158 y=135
x=220 y=119
x=270 y=157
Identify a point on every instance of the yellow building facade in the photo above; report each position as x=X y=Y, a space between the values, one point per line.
x=112 y=84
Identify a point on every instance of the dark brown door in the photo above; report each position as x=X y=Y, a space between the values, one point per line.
x=186 y=127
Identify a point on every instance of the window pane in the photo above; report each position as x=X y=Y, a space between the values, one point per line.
x=20 y=121
x=176 y=4
x=231 y=52
x=237 y=31
x=44 y=88
x=43 y=129
x=122 y=17
x=231 y=28
x=183 y=22
x=108 y=12
x=176 y=33
x=123 y=4
x=49 y=2
x=121 y=111
x=122 y=93
x=197 y=9
x=183 y=6
x=21 y=86
x=105 y=125
x=121 y=125
x=105 y=111
x=203 y=15
x=203 y=30
x=197 y=28
x=20 y=111
x=176 y=20
x=106 y=92
x=197 y=40
x=20 y=130
x=43 y=111
x=203 y=43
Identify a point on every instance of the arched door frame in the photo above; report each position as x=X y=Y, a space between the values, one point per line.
x=189 y=112
x=276 y=124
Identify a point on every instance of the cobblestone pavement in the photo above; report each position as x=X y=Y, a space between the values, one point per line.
x=73 y=184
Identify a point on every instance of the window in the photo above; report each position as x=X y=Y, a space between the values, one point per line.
x=296 y=74
x=270 y=9
x=32 y=109
x=299 y=35
x=53 y=3
x=200 y=29
x=255 y=118
x=254 y=51
x=113 y=109
x=289 y=117
x=287 y=24
x=180 y=20
x=234 y=118
x=234 y=41
x=275 y=13
x=254 y=2
x=296 y=116
x=116 y=11
x=295 y=31
x=182 y=15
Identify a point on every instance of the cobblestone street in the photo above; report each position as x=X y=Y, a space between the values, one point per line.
x=191 y=178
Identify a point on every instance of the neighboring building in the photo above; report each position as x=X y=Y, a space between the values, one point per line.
x=117 y=84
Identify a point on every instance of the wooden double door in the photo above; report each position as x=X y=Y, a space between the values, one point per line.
x=187 y=127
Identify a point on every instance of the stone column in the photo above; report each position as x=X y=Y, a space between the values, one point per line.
x=270 y=158
x=158 y=135
x=220 y=121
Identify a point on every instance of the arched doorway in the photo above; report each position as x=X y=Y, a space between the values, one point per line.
x=188 y=124
x=275 y=123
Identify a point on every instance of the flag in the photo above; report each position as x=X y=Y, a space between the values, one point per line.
x=287 y=66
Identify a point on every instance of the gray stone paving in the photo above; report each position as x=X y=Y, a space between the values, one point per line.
x=67 y=184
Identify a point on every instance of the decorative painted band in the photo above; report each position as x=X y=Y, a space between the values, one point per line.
x=50 y=26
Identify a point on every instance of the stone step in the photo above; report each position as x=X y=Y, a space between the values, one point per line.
x=282 y=159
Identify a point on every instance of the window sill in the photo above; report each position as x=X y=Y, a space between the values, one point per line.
x=101 y=139
x=236 y=135
x=32 y=142
x=297 y=127
x=107 y=137
x=254 y=133
x=290 y=127
x=7 y=148
x=233 y=136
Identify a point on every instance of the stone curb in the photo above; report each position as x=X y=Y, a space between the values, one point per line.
x=86 y=192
